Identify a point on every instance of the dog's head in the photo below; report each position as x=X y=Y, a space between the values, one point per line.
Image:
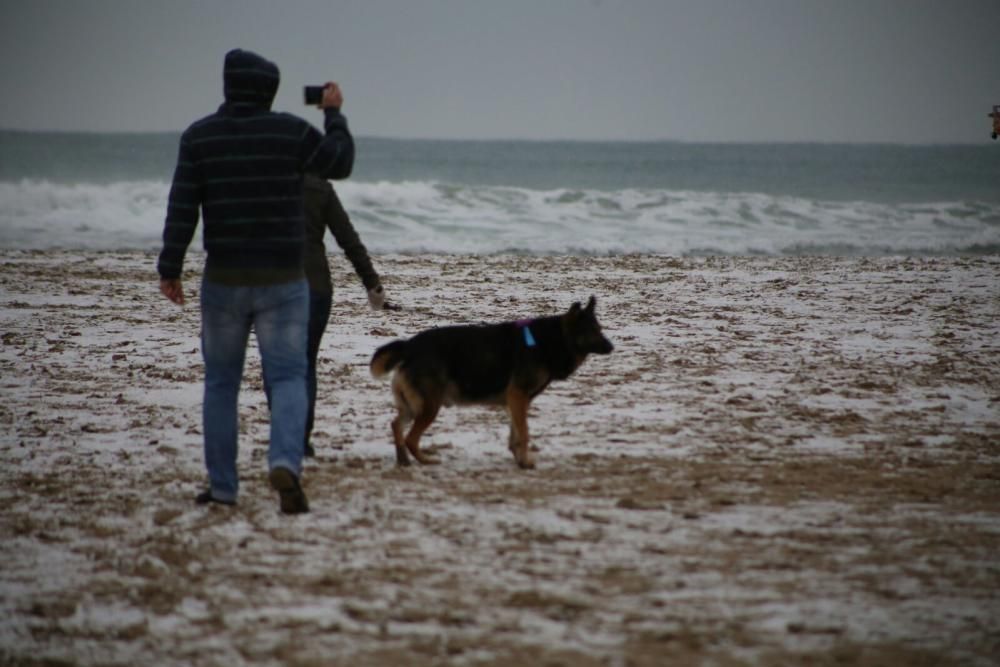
x=584 y=331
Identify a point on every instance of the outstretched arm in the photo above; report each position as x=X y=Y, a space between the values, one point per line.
x=347 y=238
x=349 y=241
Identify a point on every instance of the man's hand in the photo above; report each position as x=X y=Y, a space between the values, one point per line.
x=332 y=97
x=172 y=289
x=376 y=298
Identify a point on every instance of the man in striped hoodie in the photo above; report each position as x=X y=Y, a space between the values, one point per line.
x=243 y=167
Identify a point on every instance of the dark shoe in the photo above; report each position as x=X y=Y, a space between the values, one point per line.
x=310 y=453
x=293 y=500
x=206 y=497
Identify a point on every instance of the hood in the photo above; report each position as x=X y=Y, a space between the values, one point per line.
x=249 y=78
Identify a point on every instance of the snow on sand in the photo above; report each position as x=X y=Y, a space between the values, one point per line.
x=785 y=461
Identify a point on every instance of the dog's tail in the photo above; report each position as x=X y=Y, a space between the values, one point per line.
x=386 y=358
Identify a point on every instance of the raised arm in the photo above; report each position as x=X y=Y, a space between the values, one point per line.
x=332 y=155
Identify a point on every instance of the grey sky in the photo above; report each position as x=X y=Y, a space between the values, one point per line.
x=911 y=71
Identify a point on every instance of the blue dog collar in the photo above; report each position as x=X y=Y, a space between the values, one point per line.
x=529 y=340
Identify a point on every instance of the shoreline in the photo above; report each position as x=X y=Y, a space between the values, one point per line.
x=785 y=459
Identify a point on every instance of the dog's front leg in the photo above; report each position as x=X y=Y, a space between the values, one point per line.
x=517 y=408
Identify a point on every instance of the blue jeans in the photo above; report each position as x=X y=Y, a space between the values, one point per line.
x=320 y=304
x=279 y=314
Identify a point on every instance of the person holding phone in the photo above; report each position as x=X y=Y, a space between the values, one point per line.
x=241 y=168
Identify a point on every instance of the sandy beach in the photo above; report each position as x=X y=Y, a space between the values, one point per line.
x=786 y=461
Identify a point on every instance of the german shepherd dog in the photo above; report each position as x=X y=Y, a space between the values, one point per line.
x=504 y=364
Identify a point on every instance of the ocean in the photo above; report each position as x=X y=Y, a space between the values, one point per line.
x=108 y=191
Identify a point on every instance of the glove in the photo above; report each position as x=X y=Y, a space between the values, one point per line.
x=376 y=297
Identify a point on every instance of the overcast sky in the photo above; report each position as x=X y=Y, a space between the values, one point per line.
x=910 y=71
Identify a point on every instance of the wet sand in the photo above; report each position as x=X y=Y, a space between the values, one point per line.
x=785 y=461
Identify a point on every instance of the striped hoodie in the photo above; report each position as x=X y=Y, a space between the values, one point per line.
x=243 y=167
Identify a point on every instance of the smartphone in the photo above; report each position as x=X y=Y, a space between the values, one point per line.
x=313 y=95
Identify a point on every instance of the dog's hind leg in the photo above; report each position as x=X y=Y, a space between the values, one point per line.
x=398 y=426
x=404 y=415
x=420 y=424
x=517 y=408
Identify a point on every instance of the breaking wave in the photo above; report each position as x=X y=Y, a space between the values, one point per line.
x=438 y=217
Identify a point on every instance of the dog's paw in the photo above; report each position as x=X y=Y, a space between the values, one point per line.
x=402 y=457
x=428 y=460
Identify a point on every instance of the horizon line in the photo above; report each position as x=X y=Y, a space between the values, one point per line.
x=661 y=140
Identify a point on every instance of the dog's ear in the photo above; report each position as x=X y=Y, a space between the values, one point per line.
x=575 y=308
x=591 y=303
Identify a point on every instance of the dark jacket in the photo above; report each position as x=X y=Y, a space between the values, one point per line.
x=323 y=211
x=243 y=167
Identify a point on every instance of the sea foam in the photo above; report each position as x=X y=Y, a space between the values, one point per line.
x=427 y=216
